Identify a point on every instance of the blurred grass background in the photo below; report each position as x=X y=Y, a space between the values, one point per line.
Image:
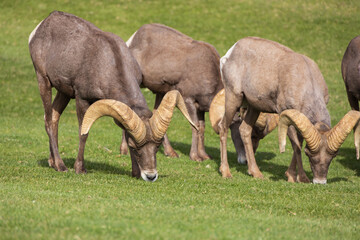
x=189 y=200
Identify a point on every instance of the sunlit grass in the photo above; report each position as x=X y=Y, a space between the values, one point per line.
x=190 y=200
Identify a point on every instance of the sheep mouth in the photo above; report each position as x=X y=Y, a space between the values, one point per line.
x=149 y=176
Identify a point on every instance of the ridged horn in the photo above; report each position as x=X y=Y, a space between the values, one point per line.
x=340 y=131
x=302 y=124
x=357 y=139
x=261 y=121
x=217 y=110
x=119 y=111
x=271 y=122
x=161 y=118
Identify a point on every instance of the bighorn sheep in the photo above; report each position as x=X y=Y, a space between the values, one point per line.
x=97 y=69
x=171 y=60
x=350 y=68
x=269 y=77
x=265 y=123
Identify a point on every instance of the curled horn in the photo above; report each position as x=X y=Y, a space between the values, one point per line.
x=357 y=140
x=340 y=131
x=272 y=121
x=302 y=124
x=119 y=111
x=161 y=118
x=261 y=121
x=217 y=110
x=267 y=122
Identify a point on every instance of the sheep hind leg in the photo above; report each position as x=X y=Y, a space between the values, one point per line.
x=81 y=107
x=193 y=113
x=232 y=103
x=59 y=104
x=201 y=139
x=51 y=118
x=246 y=129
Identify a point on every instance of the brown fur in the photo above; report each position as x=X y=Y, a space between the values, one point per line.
x=350 y=68
x=81 y=61
x=171 y=60
x=271 y=78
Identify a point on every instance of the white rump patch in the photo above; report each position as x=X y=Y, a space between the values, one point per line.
x=33 y=32
x=227 y=55
x=225 y=58
x=128 y=42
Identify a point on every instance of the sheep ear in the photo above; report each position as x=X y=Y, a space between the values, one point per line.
x=302 y=124
x=340 y=131
x=161 y=118
x=119 y=111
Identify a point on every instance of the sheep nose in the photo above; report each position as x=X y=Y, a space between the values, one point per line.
x=151 y=177
x=319 y=181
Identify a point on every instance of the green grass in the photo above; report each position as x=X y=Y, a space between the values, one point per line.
x=189 y=200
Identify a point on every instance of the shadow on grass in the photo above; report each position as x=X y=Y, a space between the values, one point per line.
x=337 y=179
x=347 y=158
x=263 y=159
x=267 y=162
x=90 y=166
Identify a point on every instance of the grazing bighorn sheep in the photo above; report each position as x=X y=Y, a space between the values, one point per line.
x=350 y=68
x=96 y=68
x=265 y=123
x=269 y=77
x=171 y=60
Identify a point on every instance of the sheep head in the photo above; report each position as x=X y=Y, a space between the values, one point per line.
x=144 y=136
x=322 y=142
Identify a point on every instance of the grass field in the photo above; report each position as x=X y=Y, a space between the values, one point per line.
x=190 y=200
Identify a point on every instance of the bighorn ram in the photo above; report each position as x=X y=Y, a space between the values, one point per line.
x=265 y=123
x=171 y=60
x=269 y=77
x=96 y=68
x=350 y=68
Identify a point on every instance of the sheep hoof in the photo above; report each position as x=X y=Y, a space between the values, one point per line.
x=171 y=154
x=302 y=178
x=81 y=171
x=123 y=151
x=79 y=168
x=61 y=167
x=205 y=156
x=196 y=158
x=51 y=163
x=256 y=174
x=291 y=176
x=225 y=172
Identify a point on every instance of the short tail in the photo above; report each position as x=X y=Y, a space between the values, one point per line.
x=224 y=59
x=128 y=42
